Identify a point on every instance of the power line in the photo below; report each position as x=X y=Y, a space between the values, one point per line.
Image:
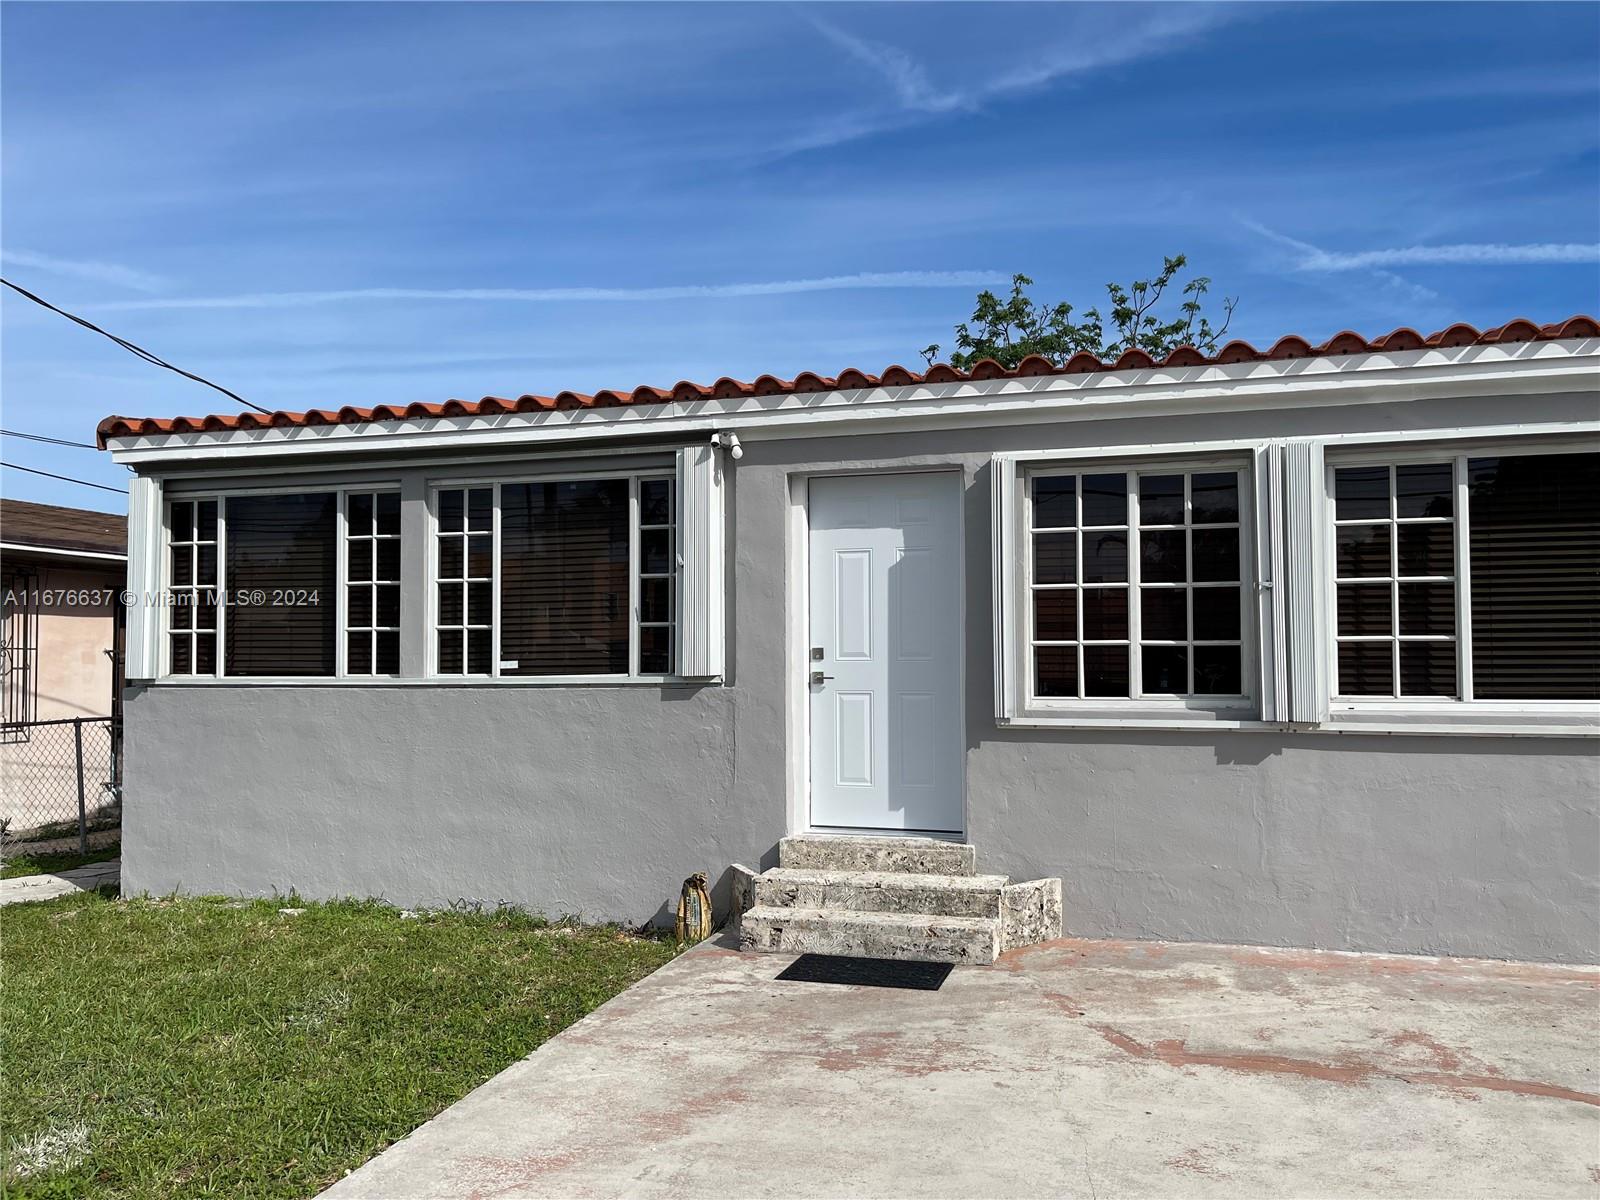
x=64 y=478
x=140 y=351
x=39 y=437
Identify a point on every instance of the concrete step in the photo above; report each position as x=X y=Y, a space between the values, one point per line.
x=914 y=936
x=909 y=855
x=881 y=891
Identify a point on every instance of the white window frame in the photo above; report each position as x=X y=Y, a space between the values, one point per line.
x=634 y=476
x=1136 y=709
x=342 y=650
x=169 y=589
x=165 y=585
x=1462 y=713
x=636 y=530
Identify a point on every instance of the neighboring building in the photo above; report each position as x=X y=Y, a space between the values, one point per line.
x=1294 y=646
x=62 y=571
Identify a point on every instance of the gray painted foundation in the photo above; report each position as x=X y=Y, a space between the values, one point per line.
x=599 y=801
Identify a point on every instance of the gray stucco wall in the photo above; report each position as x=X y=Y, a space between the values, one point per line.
x=600 y=801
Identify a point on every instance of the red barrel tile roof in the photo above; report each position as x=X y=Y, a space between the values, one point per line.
x=1520 y=330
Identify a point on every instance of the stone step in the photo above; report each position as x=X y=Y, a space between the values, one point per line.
x=881 y=891
x=909 y=855
x=916 y=937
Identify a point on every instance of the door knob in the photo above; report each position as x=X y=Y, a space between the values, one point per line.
x=819 y=677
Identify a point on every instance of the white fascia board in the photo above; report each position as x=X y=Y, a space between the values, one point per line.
x=25 y=547
x=1516 y=368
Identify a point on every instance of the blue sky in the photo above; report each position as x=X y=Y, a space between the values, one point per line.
x=324 y=205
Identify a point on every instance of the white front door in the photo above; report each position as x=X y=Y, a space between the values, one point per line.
x=884 y=656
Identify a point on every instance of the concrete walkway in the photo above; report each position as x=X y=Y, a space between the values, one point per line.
x=48 y=887
x=1076 y=1068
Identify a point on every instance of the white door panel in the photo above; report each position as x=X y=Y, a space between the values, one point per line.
x=887 y=742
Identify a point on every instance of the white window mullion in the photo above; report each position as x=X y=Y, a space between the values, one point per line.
x=1135 y=577
x=341 y=576
x=1078 y=598
x=1189 y=589
x=220 y=665
x=1463 y=533
x=635 y=565
x=1394 y=582
x=430 y=600
x=1005 y=603
x=495 y=578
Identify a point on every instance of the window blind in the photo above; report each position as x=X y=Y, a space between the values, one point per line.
x=564 y=578
x=1535 y=556
x=281 y=575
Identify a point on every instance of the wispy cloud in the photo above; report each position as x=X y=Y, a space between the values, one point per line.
x=1315 y=258
x=1462 y=253
x=905 y=75
x=1306 y=254
x=1136 y=33
x=711 y=291
x=87 y=269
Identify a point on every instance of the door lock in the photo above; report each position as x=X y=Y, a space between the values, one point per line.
x=816 y=654
x=819 y=677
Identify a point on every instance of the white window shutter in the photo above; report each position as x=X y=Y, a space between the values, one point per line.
x=1004 y=568
x=1271 y=592
x=142 y=654
x=1309 y=638
x=701 y=596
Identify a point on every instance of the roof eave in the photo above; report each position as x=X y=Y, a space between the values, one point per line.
x=1525 y=365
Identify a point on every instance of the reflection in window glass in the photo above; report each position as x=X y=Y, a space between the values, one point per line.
x=282 y=575
x=564 y=584
x=1535 y=556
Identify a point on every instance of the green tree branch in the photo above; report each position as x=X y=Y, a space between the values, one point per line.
x=1010 y=330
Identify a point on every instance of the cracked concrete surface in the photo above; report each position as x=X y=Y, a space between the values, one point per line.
x=1072 y=1068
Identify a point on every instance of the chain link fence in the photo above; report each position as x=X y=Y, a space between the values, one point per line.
x=61 y=781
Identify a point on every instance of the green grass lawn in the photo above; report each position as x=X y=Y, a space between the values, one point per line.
x=215 y=1048
x=54 y=864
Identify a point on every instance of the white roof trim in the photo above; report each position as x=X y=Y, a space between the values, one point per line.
x=1517 y=367
x=32 y=548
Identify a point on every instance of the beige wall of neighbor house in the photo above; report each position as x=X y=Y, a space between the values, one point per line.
x=77 y=632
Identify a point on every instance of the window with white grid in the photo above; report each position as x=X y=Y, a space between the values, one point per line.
x=1468 y=576
x=372 y=583
x=464 y=575
x=1136 y=585
x=658 y=561
x=192 y=584
x=1394 y=572
x=557 y=578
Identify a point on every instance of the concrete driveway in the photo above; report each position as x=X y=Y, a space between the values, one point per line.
x=1076 y=1068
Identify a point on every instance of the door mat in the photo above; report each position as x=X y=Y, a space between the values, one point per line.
x=866 y=972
